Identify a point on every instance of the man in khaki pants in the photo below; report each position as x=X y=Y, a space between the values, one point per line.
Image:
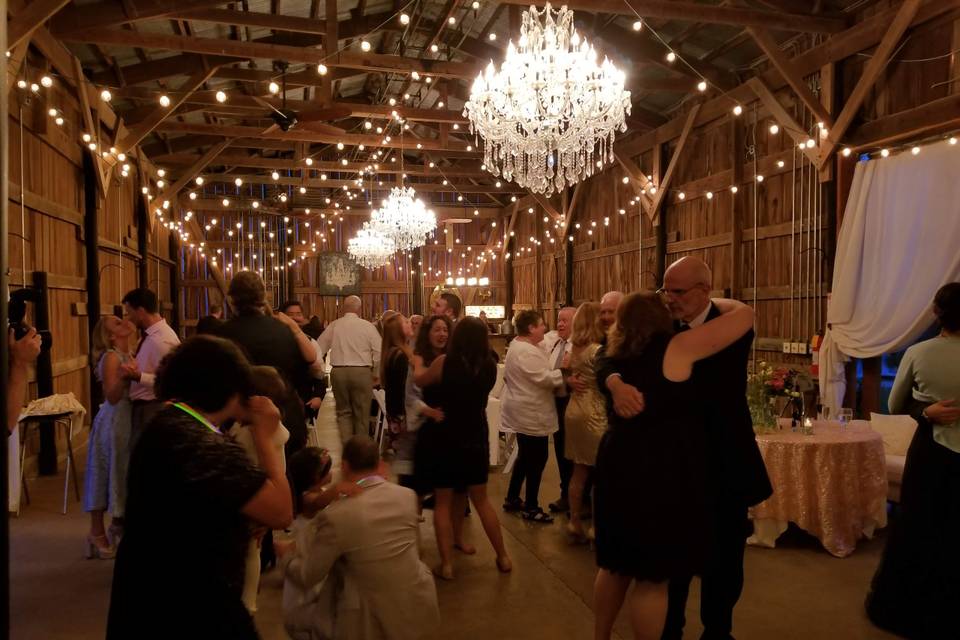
x=354 y=346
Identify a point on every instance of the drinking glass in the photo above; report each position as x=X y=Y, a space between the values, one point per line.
x=845 y=416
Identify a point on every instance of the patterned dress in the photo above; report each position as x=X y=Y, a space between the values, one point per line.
x=108 y=452
x=586 y=418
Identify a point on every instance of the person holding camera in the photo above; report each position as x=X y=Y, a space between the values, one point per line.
x=23 y=353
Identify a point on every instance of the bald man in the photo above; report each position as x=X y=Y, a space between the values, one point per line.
x=736 y=476
x=608 y=308
x=354 y=346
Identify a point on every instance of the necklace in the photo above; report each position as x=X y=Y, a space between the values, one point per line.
x=190 y=411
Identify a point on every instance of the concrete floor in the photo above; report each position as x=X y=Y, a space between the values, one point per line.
x=797 y=591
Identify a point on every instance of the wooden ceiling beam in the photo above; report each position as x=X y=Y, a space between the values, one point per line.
x=109 y=13
x=783 y=64
x=871 y=71
x=258 y=162
x=190 y=44
x=240 y=131
x=159 y=114
x=186 y=176
x=859 y=37
x=22 y=25
x=317 y=183
x=291 y=209
x=786 y=121
x=254 y=19
x=696 y=12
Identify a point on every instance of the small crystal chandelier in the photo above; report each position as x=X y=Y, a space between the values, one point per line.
x=548 y=118
x=370 y=248
x=404 y=219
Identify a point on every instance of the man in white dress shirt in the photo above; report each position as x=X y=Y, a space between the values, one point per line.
x=557 y=344
x=354 y=346
x=141 y=308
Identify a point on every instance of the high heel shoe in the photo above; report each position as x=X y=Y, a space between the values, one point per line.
x=100 y=547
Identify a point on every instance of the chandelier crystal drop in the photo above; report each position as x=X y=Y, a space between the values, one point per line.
x=549 y=116
x=370 y=248
x=404 y=218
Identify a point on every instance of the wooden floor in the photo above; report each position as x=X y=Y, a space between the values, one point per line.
x=797 y=591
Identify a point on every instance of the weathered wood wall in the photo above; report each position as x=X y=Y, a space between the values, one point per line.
x=46 y=216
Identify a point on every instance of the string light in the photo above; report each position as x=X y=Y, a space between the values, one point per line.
x=273 y=87
x=221 y=97
x=702 y=86
x=774 y=129
x=638 y=25
x=106 y=96
x=322 y=69
x=364 y=45
x=671 y=57
x=164 y=101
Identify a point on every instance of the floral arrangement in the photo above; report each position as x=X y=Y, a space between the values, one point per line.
x=765 y=386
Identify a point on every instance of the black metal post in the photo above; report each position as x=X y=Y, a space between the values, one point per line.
x=4 y=347
x=91 y=232
x=47 y=458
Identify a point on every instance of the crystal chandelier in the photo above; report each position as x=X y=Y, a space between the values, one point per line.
x=548 y=118
x=404 y=219
x=370 y=248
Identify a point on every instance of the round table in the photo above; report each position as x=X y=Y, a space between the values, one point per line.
x=832 y=484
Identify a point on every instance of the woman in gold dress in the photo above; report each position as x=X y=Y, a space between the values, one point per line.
x=586 y=416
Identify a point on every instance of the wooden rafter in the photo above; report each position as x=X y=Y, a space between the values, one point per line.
x=254 y=19
x=783 y=64
x=696 y=12
x=871 y=72
x=193 y=170
x=471 y=170
x=240 y=131
x=109 y=13
x=638 y=178
x=546 y=205
x=783 y=118
x=89 y=125
x=22 y=25
x=668 y=176
x=142 y=129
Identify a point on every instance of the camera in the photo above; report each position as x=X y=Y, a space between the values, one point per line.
x=17 y=311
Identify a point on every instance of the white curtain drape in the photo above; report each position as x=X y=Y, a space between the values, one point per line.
x=899 y=243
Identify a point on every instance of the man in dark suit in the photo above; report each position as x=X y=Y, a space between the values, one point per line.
x=736 y=473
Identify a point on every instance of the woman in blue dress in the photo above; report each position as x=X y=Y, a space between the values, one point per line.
x=109 y=447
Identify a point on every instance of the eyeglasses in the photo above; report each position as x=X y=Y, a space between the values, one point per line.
x=675 y=293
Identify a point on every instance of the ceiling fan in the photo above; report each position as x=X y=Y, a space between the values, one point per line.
x=314 y=120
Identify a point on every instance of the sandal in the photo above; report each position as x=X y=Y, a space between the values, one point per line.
x=537 y=515
x=510 y=506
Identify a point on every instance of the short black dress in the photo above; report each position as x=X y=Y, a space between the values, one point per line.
x=651 y=508
x=455 y=454
x=180 y=565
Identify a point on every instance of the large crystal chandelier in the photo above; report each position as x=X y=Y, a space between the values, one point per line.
x=548 y=118
x=370 y=247
x=404 y=218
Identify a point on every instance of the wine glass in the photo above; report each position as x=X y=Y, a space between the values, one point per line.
x=845 y=416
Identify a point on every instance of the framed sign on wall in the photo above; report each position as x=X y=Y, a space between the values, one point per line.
x=337 y=275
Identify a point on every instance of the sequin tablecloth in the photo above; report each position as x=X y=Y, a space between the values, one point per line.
x=832 y=484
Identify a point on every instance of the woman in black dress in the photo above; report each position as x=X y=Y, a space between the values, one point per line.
x=651 y=512
x=465 y=375
x=191 y=496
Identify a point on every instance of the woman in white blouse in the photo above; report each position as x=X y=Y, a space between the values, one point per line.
x=528 y=408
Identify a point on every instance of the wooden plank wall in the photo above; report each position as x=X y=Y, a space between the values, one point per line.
x=46 y=218
x=617 y=251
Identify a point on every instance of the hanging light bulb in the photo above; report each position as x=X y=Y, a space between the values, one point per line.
x=164 y=100
x=238 y=182
x=774 y=129
x=364 y=45
x=702 y=86
x=106 y=96
x=273 y=87
x=309 y=162
x=737 y=110
x=671 y=56
x=199 y=180
x=846 y=152
x=637 y=25
x=885 y=152
x=709 y=195
x=221 y=97
x=915 y=150
x=434 y=48
x=46 y=81
x=492 y=37
x=275 y=175
x=404 y=19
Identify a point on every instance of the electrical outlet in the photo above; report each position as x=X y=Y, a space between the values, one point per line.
x=795 y=348
x=786 y=346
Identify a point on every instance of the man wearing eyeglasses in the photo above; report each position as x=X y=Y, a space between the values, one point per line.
x=736 y=474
